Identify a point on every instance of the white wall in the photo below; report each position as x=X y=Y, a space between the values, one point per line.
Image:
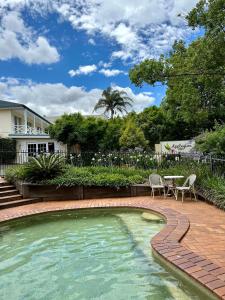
x=22 y=144
x=5 y=123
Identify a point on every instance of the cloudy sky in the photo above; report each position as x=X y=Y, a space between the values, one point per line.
x=57 y=56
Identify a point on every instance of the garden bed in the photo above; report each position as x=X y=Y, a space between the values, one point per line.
x=54 y=192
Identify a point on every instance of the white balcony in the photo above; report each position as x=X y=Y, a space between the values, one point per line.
x=27 y=130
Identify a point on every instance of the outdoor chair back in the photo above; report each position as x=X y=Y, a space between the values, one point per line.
x=156 y=183
x=189 y=182
x=188 y=186
x=155 y=180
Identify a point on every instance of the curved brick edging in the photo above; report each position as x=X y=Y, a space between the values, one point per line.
x=165 y=243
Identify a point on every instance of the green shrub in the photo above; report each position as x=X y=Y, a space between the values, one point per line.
x=211 y=187
x=17 y=172
x=38 y=169
x=99 y=176
x=44 y=167
x=7 y=150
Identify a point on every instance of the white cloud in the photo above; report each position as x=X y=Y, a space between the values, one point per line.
x=141 y=29
x=89 y=69
x=112 y=72
x=83 y=70
x=56 y=99
x=91 y=41
x=17 y=41
x=141 y=100
x=104 y=64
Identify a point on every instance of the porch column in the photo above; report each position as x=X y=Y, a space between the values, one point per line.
x=34 y=125
x=25 y=120
x=42 y=126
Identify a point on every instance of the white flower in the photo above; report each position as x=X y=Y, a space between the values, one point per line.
x=93 y=158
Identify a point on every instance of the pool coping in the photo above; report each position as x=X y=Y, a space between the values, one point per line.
x=166 y=243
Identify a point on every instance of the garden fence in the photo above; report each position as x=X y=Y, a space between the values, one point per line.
x=144 y=160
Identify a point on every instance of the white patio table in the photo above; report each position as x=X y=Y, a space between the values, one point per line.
x=173 y=178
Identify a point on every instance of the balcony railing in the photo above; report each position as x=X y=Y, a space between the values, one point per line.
x=23 y=130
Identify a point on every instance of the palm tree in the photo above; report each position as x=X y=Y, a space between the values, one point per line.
x=113 y=101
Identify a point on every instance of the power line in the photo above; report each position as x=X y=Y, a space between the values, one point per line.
x=194 y=74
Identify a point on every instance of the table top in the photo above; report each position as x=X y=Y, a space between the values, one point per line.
x=173 y=176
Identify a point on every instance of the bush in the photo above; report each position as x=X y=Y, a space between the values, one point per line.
x=7 y=150
x=17 y=172
x=99 y=176
x=44 y=167
x=212 y=141
x=38 y=169
x=211 y=187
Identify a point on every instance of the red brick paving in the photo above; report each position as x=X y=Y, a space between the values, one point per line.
x=193 y=240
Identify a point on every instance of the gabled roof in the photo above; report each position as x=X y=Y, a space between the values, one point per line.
x=10 y=105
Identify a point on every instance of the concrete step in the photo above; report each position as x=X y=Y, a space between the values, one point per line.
x=19 y=202
x=10 y=198
x=6 y=187
x=8 y=193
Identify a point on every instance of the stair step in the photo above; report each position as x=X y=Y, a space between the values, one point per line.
x=10 y=198
x=7 y=187
x=19 y=202
x=8 y=193
x=3 y=183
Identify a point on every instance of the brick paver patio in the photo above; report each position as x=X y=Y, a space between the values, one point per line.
x=201 y=252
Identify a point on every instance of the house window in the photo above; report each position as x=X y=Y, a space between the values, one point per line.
x=32 y=149
x=42 y=148
x=51 y=147
x=37 y=148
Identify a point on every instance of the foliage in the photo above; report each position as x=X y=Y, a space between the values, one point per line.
x=210 y=186
x=94 y=133
x=7 y=150
x=113 y=101
x=17 y=172
x=153 y=123
x=132 y=136
x=138 y=160
x=99 y=176
x=110 y=139
x=69 y=129
x=194 y=75
x=38 y=169
x=44 y=167
x=212 y=141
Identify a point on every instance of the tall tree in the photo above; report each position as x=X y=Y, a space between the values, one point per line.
x=69 y=129
x=194 y=74
x=132 y=136
x=113 y=101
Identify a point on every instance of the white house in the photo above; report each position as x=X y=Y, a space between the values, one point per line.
x=28 y=128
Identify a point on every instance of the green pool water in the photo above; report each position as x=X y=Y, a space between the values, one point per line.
x=99 y=254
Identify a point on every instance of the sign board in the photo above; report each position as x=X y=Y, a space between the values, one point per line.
x=186 y=146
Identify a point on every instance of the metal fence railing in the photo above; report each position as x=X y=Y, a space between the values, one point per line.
x=134 y=159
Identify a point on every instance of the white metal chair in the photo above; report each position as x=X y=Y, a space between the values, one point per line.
x=188 y=186
x=156 y=183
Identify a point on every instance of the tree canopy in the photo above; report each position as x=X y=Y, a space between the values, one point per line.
x=194 y=73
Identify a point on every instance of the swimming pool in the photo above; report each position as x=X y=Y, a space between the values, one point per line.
x=86 y=254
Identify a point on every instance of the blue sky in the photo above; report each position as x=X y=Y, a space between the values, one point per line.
x=58 y=56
